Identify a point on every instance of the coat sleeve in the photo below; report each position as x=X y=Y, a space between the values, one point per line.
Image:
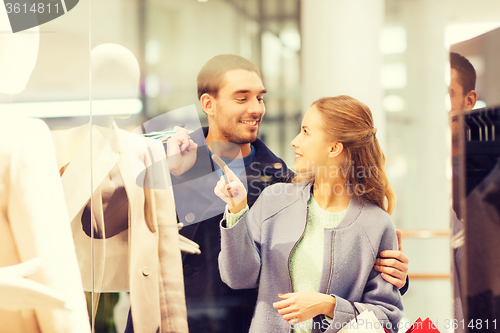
x=161 y=220
x=240 y=256
x=40 y=226
x=379 y=296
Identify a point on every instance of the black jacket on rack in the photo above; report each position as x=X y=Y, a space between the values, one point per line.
x=482 y=222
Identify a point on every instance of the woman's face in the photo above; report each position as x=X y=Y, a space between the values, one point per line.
x=311 y=145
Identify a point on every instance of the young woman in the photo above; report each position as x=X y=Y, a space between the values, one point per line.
x=310 y=246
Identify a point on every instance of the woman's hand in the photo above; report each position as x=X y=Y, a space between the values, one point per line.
x=234 y=193
x=301 y=306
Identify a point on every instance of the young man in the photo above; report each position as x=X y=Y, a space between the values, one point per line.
x=231 y=93
x=463 y=97
x=462 y=83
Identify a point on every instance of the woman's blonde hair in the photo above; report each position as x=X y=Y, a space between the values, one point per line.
x=350 y=122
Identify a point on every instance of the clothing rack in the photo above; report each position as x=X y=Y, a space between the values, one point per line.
x=482 y=144
x=481 y=212
x=483 y=125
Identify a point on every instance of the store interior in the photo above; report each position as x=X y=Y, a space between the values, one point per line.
x=131 y=61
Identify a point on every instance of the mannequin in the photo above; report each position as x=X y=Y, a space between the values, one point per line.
x=20 y=293
x=34 y=226
x=18 y=55
x=135 y=239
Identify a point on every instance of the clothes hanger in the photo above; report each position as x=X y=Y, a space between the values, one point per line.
x=479 y=127
x=492 y=123
x=489 y=125
x=485 y=128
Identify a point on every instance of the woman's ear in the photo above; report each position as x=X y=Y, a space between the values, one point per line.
x=207 y=104
x=336 y=149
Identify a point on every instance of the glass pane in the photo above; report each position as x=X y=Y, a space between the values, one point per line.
x=125 y=241
x=180 y=37
x=44 y=94
x=476 y=150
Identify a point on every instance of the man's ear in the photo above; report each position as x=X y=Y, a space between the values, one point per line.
x=207 y=104
x=336 y=149
x=470 y=100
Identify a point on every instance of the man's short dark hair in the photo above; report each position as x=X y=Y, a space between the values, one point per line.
x=211 y=75
x=466 y=72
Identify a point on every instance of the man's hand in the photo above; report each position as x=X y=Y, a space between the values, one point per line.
x=301 y=306
x=181 y=152
x=187 y=245
x=394 y=269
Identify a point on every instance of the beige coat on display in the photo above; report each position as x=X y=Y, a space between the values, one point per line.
x=144 y=258
x=34 y=224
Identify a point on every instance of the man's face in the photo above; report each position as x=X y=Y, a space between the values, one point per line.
x=457 y=96
x=239 y=106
